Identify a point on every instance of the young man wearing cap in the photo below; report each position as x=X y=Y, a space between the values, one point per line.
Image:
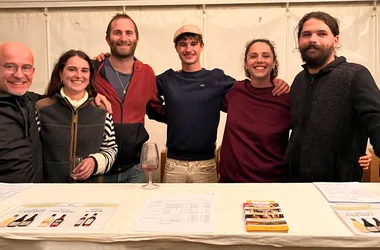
x=193 y=98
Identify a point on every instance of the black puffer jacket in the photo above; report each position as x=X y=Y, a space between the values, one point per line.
x=20 y=147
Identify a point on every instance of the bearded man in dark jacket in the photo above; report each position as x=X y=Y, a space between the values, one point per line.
x=335 y=108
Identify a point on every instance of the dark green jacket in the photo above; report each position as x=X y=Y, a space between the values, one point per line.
x=66 y=133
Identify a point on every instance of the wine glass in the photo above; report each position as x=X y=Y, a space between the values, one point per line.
x=76 y=161
x=149 y=162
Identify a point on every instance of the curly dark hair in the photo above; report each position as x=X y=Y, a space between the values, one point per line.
x=274 y=72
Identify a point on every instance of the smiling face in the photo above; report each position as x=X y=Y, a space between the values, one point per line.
x=16 y=70
x=122 y=38
x=259 y=61
x=317 y=43
x=75 y=77
x=189 y=50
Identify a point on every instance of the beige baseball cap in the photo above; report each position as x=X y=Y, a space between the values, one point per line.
x=189 y=28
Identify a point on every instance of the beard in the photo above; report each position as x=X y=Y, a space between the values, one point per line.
x=320 y=57
x=119 y=53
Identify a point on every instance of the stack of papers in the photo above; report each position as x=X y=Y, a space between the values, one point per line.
x=346 y=192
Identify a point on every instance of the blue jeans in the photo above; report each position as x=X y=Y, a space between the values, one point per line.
x=134 y=174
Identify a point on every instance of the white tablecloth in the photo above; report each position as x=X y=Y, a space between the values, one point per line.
x=312 y=222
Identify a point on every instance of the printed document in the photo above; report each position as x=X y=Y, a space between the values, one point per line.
x=346 y=192
x=58 y=216
x=177 y=213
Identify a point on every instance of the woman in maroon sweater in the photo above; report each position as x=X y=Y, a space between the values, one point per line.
x=258 y=123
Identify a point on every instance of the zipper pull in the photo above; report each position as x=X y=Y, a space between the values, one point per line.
x=75 y=120
x=311 y=83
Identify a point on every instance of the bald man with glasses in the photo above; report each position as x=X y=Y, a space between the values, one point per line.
x=20 y=149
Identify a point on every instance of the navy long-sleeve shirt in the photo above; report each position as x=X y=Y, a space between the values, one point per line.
x=193 y=101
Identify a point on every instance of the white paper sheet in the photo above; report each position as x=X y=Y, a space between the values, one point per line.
x=346 y=192
x=8 y=190
x=58 y=216
x=177 y=213
x=362 y=219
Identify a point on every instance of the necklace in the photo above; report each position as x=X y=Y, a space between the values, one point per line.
x=121 y=83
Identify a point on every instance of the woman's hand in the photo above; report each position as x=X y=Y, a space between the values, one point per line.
x=85 y=169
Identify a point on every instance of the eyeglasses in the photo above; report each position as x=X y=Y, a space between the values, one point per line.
x=12 y=68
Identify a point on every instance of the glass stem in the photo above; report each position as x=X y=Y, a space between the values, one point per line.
x=150 y=178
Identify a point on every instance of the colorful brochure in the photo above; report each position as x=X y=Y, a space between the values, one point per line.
x=264 y=216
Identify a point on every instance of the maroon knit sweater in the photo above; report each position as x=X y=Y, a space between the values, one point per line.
x=256 y=134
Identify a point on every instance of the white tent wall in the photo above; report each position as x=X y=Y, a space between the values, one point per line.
x=227 y=29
